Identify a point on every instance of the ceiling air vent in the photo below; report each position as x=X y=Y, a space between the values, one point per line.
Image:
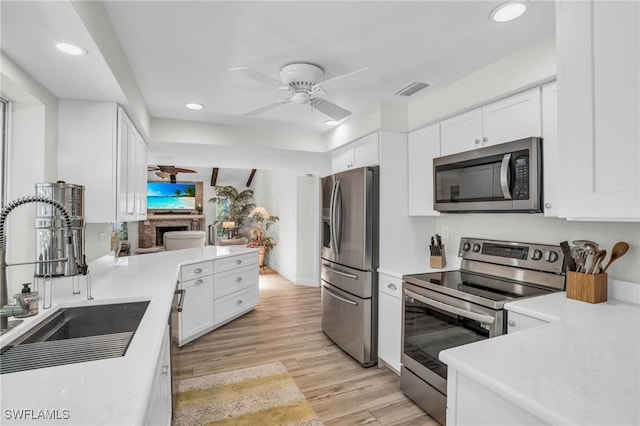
x=412 y=88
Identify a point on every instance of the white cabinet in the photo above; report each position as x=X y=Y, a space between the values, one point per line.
x=550 y=149
x=99 y=147
x=518 y=322
x=360 y=153
x=197 y=310
x=598 y=45
x=159 y=405
x=423 y=147
x=389 y=320
x=509 y=119
x=217 y=291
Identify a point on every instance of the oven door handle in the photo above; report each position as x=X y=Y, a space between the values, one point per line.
x=485 y=319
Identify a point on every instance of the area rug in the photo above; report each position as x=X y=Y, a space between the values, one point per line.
x=260 y=395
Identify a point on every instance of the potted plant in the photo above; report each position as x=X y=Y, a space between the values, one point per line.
x=237 y=206
x=260 y=240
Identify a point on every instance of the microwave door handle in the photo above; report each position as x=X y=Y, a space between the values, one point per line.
x=485 y=319
x=504 y=176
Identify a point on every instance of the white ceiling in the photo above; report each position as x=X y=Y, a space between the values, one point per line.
x=181 y=51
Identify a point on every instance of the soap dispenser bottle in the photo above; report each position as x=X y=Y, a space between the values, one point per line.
x=30 y=298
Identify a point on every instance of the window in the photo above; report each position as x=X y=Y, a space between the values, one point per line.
x=4 y=111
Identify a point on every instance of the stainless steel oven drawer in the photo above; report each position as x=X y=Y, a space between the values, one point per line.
x=347 y=320
x=424 y=395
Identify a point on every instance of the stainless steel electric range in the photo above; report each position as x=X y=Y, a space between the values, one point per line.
x=442 y=310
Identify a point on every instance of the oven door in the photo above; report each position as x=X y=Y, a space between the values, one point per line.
x=433 y=322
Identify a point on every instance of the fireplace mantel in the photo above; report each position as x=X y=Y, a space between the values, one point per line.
x=152 y=216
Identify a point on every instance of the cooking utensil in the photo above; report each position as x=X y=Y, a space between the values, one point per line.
x=568 y=258
x=619 y=249
x=586 y=244
x=580 y=257
x=597 y=259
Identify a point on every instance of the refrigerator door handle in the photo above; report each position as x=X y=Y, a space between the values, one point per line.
x=338 y=218
x=332 y=227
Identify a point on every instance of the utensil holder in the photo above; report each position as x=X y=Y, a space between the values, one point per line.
x=587 y=287
x=438 y=261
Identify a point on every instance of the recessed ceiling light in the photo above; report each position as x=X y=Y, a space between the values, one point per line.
x=331 y=122
x=509 y=11
x=194 y=106
x=71 y=49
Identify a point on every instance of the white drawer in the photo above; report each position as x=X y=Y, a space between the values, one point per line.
x=518 y=322
x=227 y=263
x=236 y=303
x=198 y=281
x=234 y=280
x=390 y=285
x=200 y=269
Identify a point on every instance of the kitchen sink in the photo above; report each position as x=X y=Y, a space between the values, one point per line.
x=74 y=335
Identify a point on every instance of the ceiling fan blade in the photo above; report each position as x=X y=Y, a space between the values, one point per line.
x=268 y=107
x=181 y=170
x=152 y=168
x=258 y=76
x=357 y=78
x=330 y=109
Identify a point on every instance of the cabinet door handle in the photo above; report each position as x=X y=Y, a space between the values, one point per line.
x=238 y=279
x=477 y=141
x=511 y=323
x=239 y=302
x=485 y=139
x=199 y=281
x=197 y=271
x=165 y=370
x=238 y=262
x=547 y=205
x=392 y=286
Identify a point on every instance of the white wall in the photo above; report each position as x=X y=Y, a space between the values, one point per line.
x=308 y=231
x=33 y=127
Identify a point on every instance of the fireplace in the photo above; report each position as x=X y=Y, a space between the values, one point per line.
x=160 y=230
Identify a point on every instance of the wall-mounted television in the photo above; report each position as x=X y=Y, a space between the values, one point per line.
x=167 y=196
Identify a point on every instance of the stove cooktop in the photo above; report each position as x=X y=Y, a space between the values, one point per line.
x=491 y=292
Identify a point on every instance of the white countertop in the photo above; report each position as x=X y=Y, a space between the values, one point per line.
x=581 y=368
x=111 y=391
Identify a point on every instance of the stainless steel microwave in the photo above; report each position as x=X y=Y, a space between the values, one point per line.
x=499 y=178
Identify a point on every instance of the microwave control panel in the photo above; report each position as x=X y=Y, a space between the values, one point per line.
x=521 y=187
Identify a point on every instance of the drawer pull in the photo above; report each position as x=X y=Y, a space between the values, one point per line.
x=199 y=281
x=197 y=271
x=511 y=323
x=239 y=302
x=238 y=279
x=238 y=262
x=392 y=286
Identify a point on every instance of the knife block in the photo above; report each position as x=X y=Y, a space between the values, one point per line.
x=438 y=261
x=587 y=287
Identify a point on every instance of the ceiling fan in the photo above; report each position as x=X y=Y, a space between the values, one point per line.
x=168 y=171
x=304 y=81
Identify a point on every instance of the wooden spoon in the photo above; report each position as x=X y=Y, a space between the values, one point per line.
x=618 y=250
x=597 y=259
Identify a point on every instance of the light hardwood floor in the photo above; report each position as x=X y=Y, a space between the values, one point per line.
x=285 y=327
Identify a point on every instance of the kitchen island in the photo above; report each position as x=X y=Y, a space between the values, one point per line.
x=581 y=367
x=110 y=391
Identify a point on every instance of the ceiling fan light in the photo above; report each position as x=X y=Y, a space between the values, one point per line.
x=71 y=49
x=509 y=11
x=194 y=106
x=332 y=122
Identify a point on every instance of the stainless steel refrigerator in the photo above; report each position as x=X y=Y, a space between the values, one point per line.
x=349 y=262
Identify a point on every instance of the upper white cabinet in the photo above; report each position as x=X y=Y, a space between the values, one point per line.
x=99 y=147
x=423 y=147
x=360 y=153
x=550 y=149
x=599 y=109
x=509 y=119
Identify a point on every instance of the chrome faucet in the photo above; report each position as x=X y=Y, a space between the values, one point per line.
x=71 y=264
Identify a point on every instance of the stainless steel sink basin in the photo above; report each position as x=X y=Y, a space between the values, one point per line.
x=73 y=335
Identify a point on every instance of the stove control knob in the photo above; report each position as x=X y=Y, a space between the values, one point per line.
x=551 y=256
x=466 y=246
x=476 y=247
x=537 y=254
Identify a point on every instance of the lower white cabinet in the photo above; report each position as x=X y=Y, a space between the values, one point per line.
x=519 y=322
x=159 y=406
x=389 y=320
x=217 y=291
